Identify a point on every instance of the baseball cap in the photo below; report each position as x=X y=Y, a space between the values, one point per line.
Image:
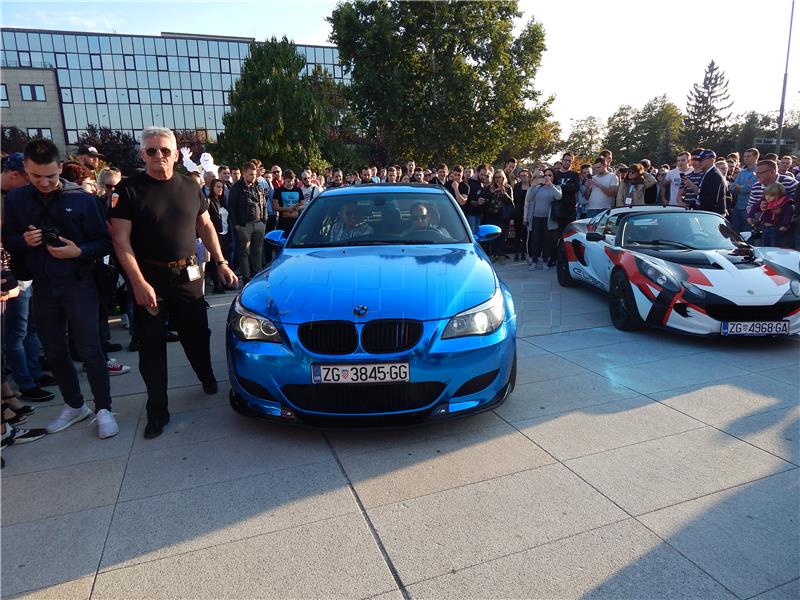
x=706 y=154
x=14 y=162
x=90 y=150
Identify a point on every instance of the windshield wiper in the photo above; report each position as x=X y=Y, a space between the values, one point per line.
x=663 y=243
x=344 y=243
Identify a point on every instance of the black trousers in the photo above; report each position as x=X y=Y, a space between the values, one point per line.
x=541 y=240
x=74 y=305
x=183 y=301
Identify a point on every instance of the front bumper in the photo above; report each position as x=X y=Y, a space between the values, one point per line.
x=448 y=378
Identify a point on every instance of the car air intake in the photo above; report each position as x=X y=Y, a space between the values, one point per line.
x=385 y=336
x=732 y=312
x=476 y=384
x=350 y=399
x=329 y=337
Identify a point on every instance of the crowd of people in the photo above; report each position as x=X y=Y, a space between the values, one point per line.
x=81 y=241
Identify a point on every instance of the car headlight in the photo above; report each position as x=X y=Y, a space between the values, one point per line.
x=247 y=325
x=694 y=290
x=795 y=287
x=483 y=319
x=657 y=275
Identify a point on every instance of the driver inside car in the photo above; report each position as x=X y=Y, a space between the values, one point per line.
x=349 y=224
x=421 y=220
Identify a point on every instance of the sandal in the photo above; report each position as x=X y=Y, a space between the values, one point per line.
x=11 y=416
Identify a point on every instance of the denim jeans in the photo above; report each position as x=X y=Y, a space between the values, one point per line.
x=738 y=219
x=21 y=344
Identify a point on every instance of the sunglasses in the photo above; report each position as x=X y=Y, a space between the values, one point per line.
x=154 y=151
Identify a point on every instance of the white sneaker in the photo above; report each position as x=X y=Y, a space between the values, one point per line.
x=106 y=424
x=117 y=368
x=69 y=416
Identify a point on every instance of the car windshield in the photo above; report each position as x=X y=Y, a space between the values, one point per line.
x=680 y=230
x=377 y=218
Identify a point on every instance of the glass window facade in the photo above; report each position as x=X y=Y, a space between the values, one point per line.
x=129 y=82
x=3 y=96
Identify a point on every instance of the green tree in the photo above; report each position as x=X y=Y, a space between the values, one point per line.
x=14 y=140
x=442 y=81
x=586 y=137
x=117 y=147
x=659 y=131
x=275 y=115
x=707 y=109
x=621 y=135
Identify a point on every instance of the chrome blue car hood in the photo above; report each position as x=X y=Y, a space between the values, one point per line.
x=414 y=282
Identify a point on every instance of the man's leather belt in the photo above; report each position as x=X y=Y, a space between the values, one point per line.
x=174 y=264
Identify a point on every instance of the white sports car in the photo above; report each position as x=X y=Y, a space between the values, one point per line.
x=686 y=270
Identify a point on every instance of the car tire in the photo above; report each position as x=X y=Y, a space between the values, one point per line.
x=562 y=267
x=622 y=304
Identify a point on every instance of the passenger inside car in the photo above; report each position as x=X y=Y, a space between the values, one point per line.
x=349 y=224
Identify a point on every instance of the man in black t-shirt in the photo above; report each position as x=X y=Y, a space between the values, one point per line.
x=287 y=202
x=154 y=225
x=569 y=181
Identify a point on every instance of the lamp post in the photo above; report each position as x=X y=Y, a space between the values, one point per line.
x=783 y=93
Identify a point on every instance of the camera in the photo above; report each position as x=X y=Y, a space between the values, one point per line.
x=50 y=237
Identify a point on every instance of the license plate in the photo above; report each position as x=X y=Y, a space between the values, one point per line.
x=369 y=373
x=755 y=328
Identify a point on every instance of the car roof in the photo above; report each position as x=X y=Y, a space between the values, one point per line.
x=403 y=188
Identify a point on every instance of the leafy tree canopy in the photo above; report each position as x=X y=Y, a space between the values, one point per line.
x=443 y=81
x=119 y=149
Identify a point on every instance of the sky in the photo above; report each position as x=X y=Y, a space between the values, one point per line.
x=600 y=55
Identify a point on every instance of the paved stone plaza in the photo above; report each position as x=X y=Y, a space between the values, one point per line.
x=625 y=465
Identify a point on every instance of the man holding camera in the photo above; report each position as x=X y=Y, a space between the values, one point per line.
x=59 y=232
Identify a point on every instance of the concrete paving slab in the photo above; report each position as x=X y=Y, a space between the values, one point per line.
x=600 y=358
x=189 y=427
x=52 y=551
x=76 y=445
x=730 y=399
x=777 y=432
x=601 y=427
x=662 y=472
x=790 y=376
x=622 y=560
x=168 y=524
x=43 y=494
x=546 y=366
x=77 y=589
x=752 y=355
x=560 y=395
x=525 y=349
x=574 y=340
x=182 y=467
x=179 y=374
x=583 y=321
x=125 y=409
x=745 y=537
x=662 y=375
x=337 y=558
x=430 y=536
x=355 y=441
x=789 y=591
x=399 y=473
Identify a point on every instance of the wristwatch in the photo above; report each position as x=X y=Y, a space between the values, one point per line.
x=219 y=263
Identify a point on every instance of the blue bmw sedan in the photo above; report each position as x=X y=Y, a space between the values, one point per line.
x=381 y=308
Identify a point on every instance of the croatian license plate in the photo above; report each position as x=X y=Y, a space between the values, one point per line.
x=755 y=328
x=369 y=373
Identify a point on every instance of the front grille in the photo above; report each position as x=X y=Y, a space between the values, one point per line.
x=329 y=337
x=731 y=312
x=364 y=399
x=385 y=336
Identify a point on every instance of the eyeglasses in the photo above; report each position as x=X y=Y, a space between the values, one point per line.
x=154 y=151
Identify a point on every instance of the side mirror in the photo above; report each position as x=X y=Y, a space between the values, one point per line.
x=593 y=236
x=276 y=237
x=487 y=233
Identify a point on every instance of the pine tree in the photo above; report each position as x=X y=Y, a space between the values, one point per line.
x=707 y=109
